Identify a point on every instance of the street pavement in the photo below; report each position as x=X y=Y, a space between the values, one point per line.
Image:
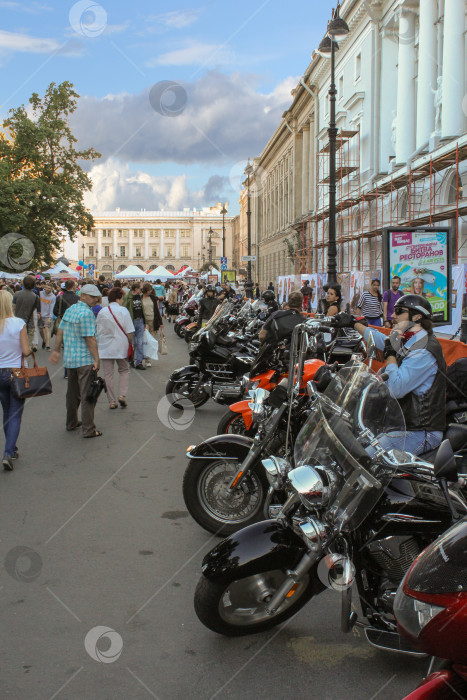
x=96 y=544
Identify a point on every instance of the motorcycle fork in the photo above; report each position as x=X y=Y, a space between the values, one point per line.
x=245 y=466
x=294 y=577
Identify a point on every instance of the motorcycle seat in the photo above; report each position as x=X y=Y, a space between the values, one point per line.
x=226 y=342
x=454 y=406
x=457 y=436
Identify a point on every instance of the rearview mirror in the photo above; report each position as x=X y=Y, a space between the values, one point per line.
x=445 y=466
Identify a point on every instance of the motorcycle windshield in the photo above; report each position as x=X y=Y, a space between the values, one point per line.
x=355 y=410
x=245 y=311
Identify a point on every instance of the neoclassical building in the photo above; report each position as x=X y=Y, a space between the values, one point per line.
x=402 y=141
x=151 y=238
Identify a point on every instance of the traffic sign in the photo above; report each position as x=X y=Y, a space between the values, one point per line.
x=224 y=262
x=224 y=265
x=246 y=258
x=92 y=267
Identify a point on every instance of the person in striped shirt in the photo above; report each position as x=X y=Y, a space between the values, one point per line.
x=370 y=304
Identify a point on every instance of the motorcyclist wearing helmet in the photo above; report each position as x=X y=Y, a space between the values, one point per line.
x=269 y=298
x=416 y=371
x=207 y=305
x=280 y=324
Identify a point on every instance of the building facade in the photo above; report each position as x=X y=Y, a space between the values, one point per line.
x=401 y=110
x=151 y=238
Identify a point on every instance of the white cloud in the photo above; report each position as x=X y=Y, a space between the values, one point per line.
x=115 y=184
x=177 y=19
x=27 y=44
x=195 y=53
x=34 y=9
x=225 y=119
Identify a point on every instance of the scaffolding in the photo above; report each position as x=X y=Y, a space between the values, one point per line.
x=409 y=197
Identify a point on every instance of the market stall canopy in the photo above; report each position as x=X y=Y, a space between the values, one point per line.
x=160 y=273
x=12 y=275
x=185 y=272
x=132 y=273
x=59 y=268
x=211 y=272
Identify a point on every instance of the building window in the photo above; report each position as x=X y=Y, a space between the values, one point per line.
x=340 y=88
x=106 y=251
x=358 y=66
x=123 y=233
x=170 y=251
x=91 y=251
x=122 y=251
x=106 y=232
x=139 y=233
x=154 y=252
x=169 y=232
x=154 y=233
x=185 y=251
x=139 y=252
x=185 y=233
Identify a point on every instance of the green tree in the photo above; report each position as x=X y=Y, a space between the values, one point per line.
x=42 y=183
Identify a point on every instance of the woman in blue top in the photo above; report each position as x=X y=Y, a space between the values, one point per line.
x=159 y=290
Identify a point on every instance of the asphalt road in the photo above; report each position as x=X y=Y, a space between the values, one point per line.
x=95 y=534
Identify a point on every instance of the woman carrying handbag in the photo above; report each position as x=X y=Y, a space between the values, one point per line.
x=114 y=339
x=14 y=345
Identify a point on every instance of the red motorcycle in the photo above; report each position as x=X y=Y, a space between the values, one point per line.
x=431 y=611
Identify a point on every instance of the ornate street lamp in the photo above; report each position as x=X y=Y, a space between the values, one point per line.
x=336 y=31
x=249 y=282
x=223 y=212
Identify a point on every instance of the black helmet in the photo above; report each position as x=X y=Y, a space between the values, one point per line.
x=268 y=296
x=416 y=304
x=210 y=288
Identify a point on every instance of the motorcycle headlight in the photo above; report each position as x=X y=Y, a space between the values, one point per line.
x=258 y=397
x=307 y=482
x=413 y=615
x=193 y=347
x=248 y=384
x=275 y=467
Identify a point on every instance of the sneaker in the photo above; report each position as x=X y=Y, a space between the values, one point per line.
x=48 y=349
x=140 y=366
x=43 y=345
x=132 y=363
x=34 y=348
x=15 y=455
x=7 y=463
x=148 y=364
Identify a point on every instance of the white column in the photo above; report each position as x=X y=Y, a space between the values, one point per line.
x=115 y=250
x=305 y=168
x=146 y=243
x=130 y=246
x=99 y=251
x=405 y=133
x=161 y=248
x=427 y=71
x=177 y=243
x=311 y=166
x=452 y=116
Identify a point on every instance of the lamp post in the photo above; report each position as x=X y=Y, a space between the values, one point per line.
x=249 y=282
x=83 y=249
x=210 y=235
x=223 y=212
x=336 y=31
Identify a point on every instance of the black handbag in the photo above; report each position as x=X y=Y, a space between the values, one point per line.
x=27 y=382
x=96 y=387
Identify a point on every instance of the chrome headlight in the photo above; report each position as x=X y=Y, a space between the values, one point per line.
x=275 y=467
x=248 y=384
x=193 y=347
x=258 y=397
x=307 y=482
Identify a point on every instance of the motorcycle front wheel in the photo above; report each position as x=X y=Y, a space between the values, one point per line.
x=232 y=423
x=185 y=388
x=215 y=506
x=238 y=607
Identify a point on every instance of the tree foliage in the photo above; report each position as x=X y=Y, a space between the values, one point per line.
x=42 y=183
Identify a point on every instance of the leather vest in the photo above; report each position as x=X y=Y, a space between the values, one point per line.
x=427 y=411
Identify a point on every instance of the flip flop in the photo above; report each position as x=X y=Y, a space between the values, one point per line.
x=122 y=401
x=97 y=433
x=113 y=405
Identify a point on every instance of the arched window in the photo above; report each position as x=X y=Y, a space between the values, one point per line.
x=454 y=188
x=169 y=267
x=105 y=268
x=120 y=268
x=140 y=267
x=153 y=267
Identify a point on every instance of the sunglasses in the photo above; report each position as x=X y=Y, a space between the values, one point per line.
x=399 y=310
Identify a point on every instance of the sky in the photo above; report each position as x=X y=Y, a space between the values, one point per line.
x=174 y=97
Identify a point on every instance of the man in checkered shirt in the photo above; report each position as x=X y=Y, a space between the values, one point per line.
x=78 y=332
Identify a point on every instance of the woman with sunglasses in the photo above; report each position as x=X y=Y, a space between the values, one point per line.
x=370 y=304
x=416 y=373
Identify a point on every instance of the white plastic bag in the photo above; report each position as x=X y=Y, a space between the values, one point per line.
x=150 y=346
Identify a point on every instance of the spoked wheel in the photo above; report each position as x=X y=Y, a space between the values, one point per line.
x=238 y=607
x=182 y=391
x=216 y=507
x=232 y=423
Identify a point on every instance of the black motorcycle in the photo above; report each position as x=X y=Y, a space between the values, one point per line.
x=218 y=361
x=357 y=515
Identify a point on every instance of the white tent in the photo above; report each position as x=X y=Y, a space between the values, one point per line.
x=12 y=275
x=160 y=273
x=131 y=273
x=211 y=272
x=61 y=268
x=187 y=272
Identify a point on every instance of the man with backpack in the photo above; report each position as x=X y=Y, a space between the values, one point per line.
x=389 y=300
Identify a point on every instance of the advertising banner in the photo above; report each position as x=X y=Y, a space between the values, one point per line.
x=357 y=280
x=212 y=279
x=229 y=276
x=458 y=290
x=422 y=259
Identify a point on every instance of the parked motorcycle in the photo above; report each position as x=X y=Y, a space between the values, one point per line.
x=356 y=517
x=431 y=612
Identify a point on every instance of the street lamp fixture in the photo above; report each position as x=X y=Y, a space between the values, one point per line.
x=223 y=212
x=249 y=282
x=83 y=248
x=336 y=31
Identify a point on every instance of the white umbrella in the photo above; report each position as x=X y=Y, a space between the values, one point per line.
x=131 y=273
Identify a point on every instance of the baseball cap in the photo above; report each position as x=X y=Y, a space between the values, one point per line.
x=90 y=289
